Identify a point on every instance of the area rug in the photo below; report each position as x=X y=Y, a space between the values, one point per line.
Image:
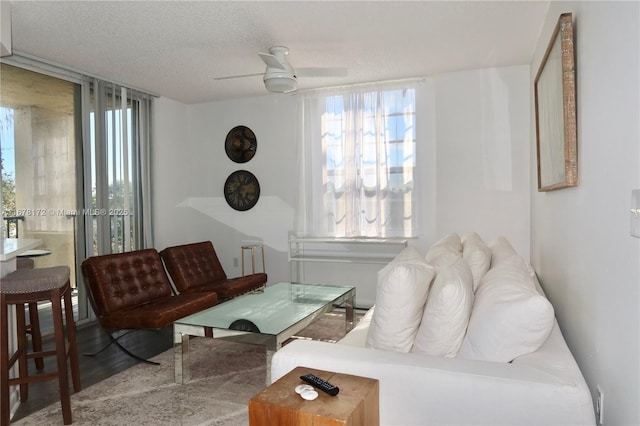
x=224 y=377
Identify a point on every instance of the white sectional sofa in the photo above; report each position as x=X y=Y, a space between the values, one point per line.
x=470 y=379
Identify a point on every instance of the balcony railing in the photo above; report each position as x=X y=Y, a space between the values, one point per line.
x=121 y=233
x=11 y=226
x=119 y=241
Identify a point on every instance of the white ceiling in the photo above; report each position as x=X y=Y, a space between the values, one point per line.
x=176 y=48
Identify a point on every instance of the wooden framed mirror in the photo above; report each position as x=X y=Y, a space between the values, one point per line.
x=555 y=111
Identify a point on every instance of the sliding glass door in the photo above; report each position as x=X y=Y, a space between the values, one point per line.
x=40 y=119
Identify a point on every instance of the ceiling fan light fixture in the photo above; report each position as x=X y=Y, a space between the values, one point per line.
x=280 y=77
x=283 y=83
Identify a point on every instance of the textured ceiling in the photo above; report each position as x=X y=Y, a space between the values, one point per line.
x=177 y=48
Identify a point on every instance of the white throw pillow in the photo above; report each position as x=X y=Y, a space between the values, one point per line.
x=446 y=314
x=402 y=290
x=509 y=317
x=512 y=271
x=478 y=256
x=445 y=251
x=501 y=249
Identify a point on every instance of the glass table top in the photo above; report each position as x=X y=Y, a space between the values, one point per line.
x=275 y=309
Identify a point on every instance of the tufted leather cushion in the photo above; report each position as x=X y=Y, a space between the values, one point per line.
x=193 y=265
x=196 y=268
x=124 y=280
x=160 y=312
x=131 y=290
x=232 y=287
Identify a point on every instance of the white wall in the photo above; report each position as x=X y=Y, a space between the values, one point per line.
x=483 y=153
x=473 y=138
x=587 y=262
x=191 y=166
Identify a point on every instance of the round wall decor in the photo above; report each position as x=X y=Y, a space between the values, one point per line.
x=241 y=144
x=241 y=190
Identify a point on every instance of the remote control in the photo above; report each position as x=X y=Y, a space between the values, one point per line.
x=318 y=383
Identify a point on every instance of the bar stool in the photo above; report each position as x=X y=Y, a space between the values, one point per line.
x=252 y=249
x=34 y=320
x=25 y=263
x=25 y=286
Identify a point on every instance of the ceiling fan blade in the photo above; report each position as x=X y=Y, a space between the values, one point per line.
x=227 y=77
x=272 y=61
x=321 y=72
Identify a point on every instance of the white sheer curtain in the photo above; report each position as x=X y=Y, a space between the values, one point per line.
x=118 y=168
x=357 y=163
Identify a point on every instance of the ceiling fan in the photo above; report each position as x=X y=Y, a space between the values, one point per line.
x=280 y=77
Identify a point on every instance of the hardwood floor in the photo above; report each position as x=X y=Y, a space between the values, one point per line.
x=93 y=369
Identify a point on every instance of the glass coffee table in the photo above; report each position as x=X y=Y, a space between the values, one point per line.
x=268 y=318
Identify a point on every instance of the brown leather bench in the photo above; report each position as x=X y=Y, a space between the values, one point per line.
x=131 y=291
x=195 y=268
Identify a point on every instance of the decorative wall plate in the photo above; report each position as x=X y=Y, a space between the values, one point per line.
x=241 y=190
x=241 y=144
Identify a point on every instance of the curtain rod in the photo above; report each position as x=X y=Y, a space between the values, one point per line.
x=35 y=63
x=356 y=85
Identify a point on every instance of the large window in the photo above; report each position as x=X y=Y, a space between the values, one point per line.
x=358 y=163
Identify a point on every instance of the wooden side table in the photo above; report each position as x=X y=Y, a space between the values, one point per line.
x=279 y=404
